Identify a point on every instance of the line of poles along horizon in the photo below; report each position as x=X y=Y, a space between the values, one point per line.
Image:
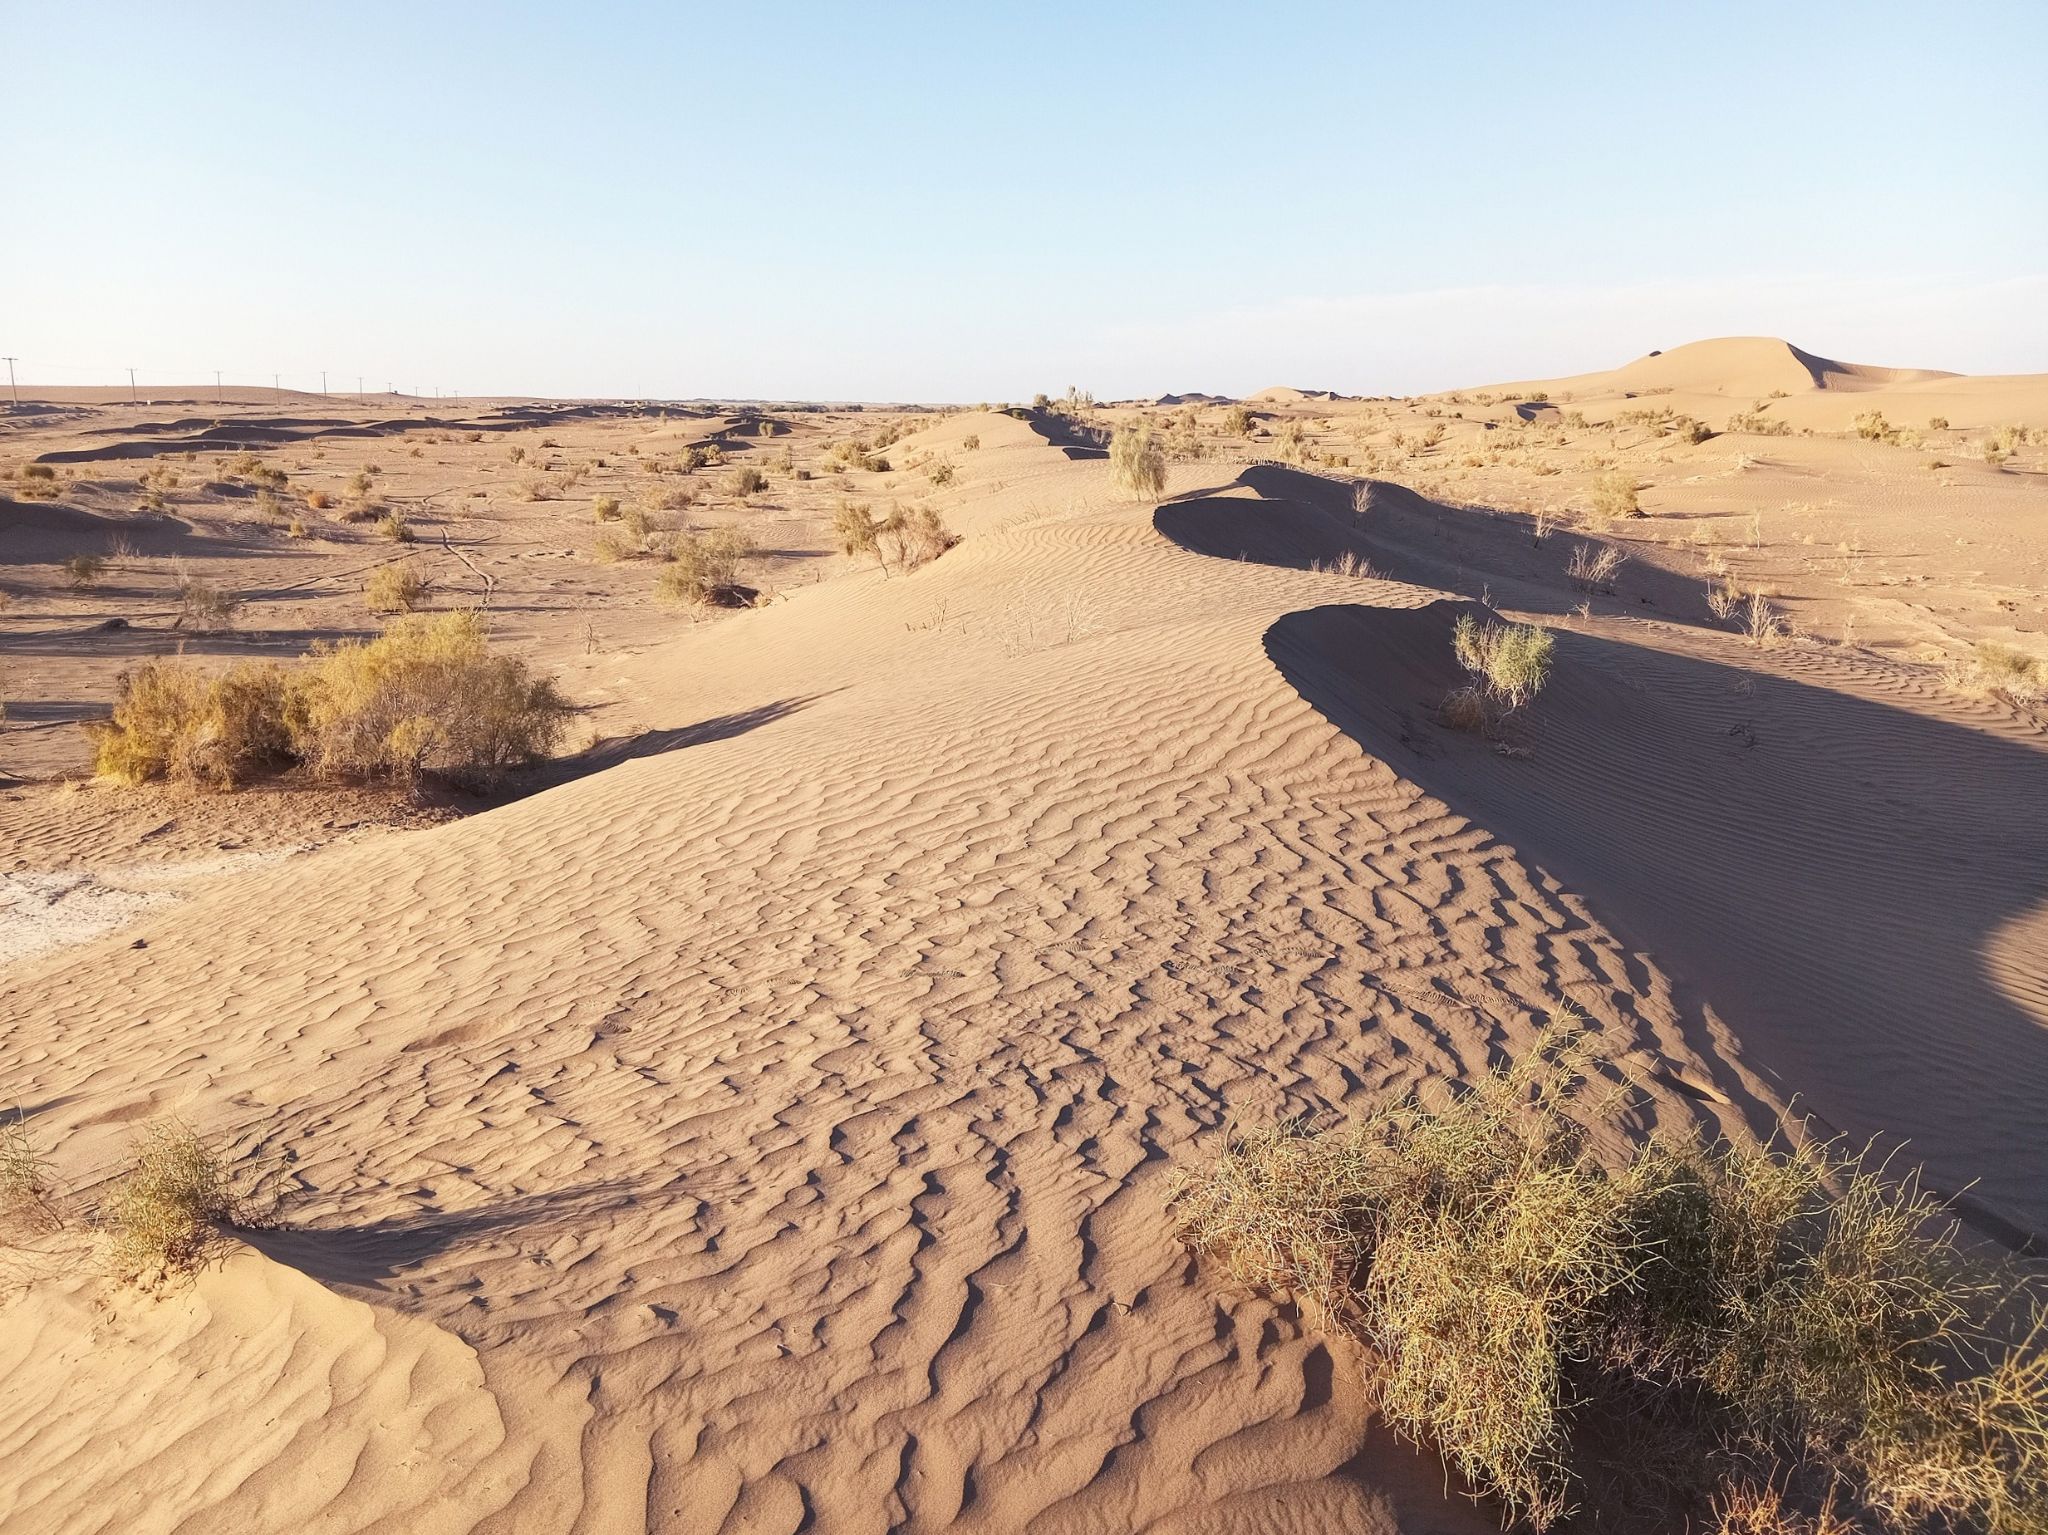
x=220 y=388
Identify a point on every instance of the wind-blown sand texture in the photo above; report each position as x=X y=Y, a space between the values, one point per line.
x=771 y=1130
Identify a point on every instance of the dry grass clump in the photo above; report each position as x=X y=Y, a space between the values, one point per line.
x=1137 y=463
x=27 y=1185
x=1664 y=1327
x=394 y=589
x=1508 y=665
x=605 y=508
x=36 y=482
x=1999 y=670
x=1592 y=567
x=161 y=1218
x=425 y=696
x=744 y=482
x=1762 y=624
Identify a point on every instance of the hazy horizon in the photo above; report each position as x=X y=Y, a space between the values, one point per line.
x=911 y=203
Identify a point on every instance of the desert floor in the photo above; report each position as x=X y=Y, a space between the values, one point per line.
x=762 y=1118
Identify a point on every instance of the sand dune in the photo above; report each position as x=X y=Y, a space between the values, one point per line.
x=770 y=1129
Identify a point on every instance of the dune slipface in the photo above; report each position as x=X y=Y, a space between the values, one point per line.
x=772 y=1130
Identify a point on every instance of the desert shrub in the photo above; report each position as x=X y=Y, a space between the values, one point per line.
x=84 y=570
x=1724 y=597
x=1137 y=463
x=1695 y=1309
x=27 y=1183
x=745 y=481
x=940 y=471
x=1871 y=426
x=426 y=695
x=394 y=589
x=605 y=508
x=392 y=525
x=160 y=1219
x=1995 y=452
x=1999 y=669
x=1937 y=423
x=202 y=604
x=36 y=482
x=970 y=442
x=915 y=537
x=1593 y=566
x=296 y=528
x=1762 y=624
x=1237 y=422
x=1508 y=663
x=705 y=566
x=1757 y=424
x=173 y=720
x=854 y=526
x=1614 y=495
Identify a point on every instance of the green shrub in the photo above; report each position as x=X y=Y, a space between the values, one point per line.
x=1508 y=663
x=1695 y=1309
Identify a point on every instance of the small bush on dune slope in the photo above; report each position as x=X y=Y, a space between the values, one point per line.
x=2001 y=670
x=1508 y=664
x=161 y=1217
x=1137 y=463
x=425 y=696
x=1669 y=1326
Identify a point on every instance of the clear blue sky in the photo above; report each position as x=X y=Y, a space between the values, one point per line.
x=968 y=201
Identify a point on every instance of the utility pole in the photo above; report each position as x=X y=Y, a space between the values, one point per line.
x=277 y=392
x=359 y=386
x=323 y=381
x=10 y=379
x=131 y=384
x=216 y=387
